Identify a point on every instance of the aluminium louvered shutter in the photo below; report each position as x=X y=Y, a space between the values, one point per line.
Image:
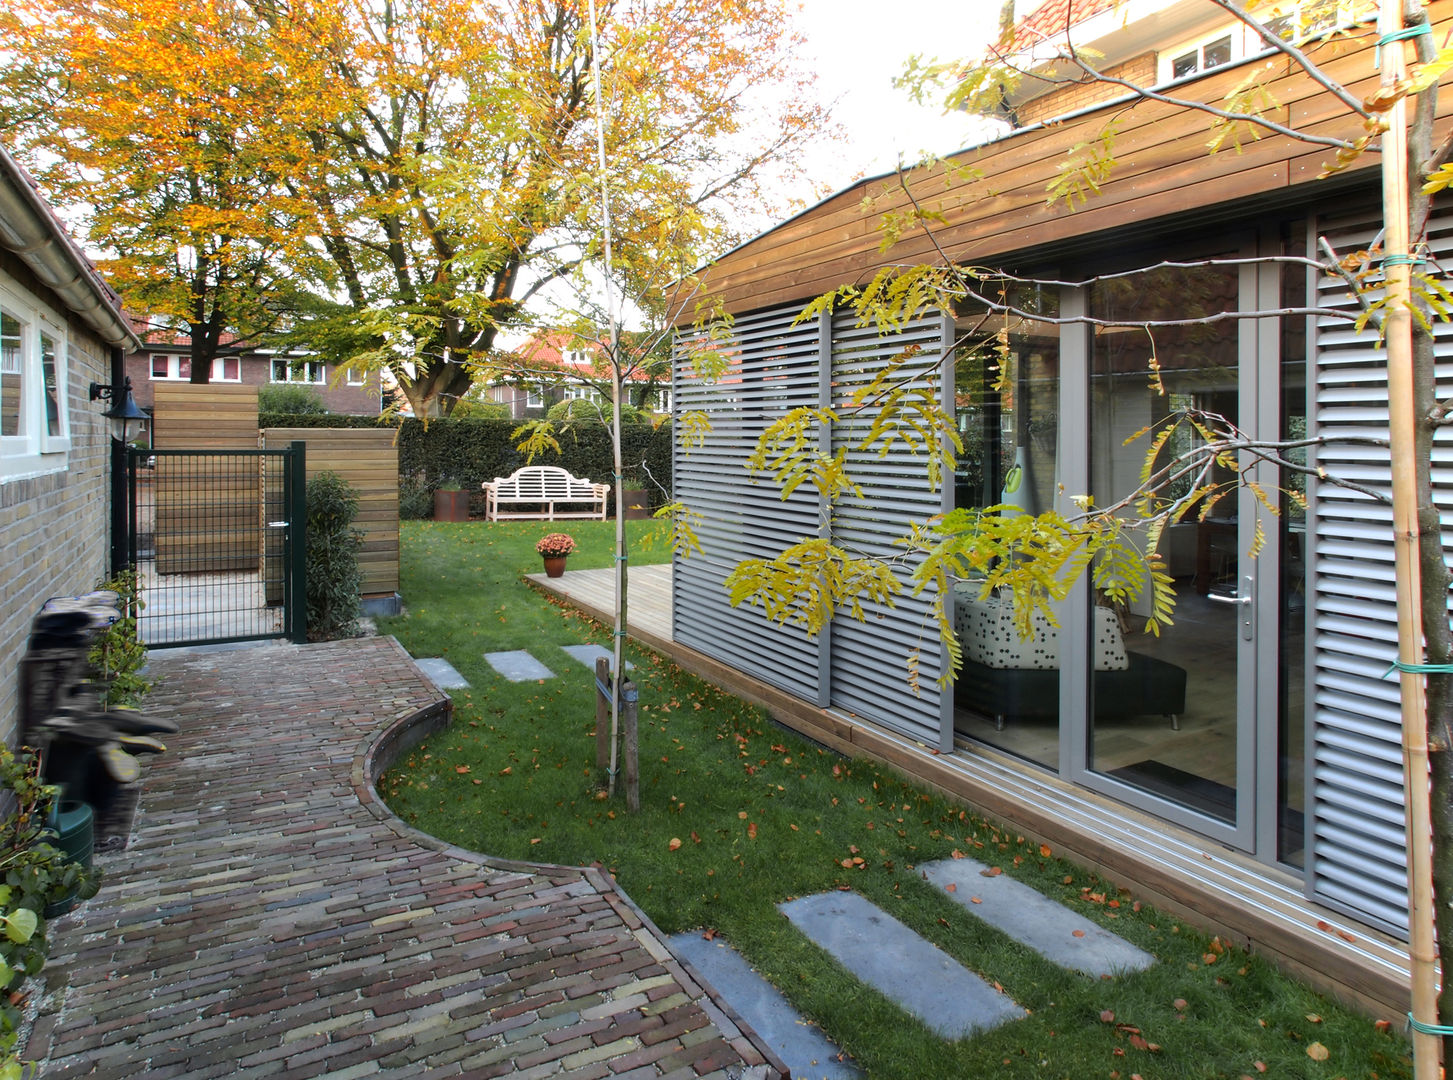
x=871 y=675
x=774 y=367
x=1357 y=851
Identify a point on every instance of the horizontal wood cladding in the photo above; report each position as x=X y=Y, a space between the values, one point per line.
x=369 y=461
x=996 y=203
x=204 y=416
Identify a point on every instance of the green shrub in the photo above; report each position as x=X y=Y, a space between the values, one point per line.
x=416 y=501
x=581 y=411
x=33 y=874
x=333 y=577
x=473 y=451
x=290 y=399
x=118 y=653
x=469 y=409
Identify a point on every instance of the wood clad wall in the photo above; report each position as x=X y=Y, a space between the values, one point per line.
x=369 y=461
x=210 y=416
x=208 y=510
x=998 y=204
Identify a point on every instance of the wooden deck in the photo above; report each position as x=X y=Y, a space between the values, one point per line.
x=1222 y=891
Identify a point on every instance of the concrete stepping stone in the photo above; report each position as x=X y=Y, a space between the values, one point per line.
x=518 y=666
x=442 y=673
x=807 y=1052
x=589 y=654
x=895 y=961
x=1057 y=933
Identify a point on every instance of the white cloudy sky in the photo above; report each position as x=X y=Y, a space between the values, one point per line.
x=857 y=48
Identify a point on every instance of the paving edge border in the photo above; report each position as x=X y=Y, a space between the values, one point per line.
x=378 y=753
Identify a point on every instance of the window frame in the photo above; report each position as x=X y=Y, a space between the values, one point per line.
x=296 y=372
x=35 y=448
x=174 y=368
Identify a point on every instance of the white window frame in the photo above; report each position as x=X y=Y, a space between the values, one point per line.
x=1239 y=35
x=174 y=368
x=34 y=449
x=299 y=372
x=535 y=396
x=355 y=377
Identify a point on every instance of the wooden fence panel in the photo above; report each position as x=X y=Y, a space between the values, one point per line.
x=209 y=513
x=369 y=461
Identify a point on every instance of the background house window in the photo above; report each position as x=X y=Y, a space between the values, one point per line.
x=298 y=371
x=535 y=396
x=168 y=368
x=1202 y=57
x=357 y=376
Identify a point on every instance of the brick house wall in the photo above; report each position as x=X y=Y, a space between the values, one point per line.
x=1082 y=95
x=256 y=370
x=54 y=526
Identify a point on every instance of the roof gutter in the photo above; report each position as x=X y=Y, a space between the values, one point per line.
x=30 y=229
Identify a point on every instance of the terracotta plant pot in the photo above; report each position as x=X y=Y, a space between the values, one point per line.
x=554 y=565
x=451 y=504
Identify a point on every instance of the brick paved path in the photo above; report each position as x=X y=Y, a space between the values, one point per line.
x=271 y=918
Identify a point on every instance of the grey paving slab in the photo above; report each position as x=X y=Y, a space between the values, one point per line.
x=809 y=1053
x=1058 y=934
x=891 y=958
x=442 y=673
x=589 y=654
x=518 y=666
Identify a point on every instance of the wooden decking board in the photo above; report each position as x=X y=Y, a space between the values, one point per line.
x=1187 y=876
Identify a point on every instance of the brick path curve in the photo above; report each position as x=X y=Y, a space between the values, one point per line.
x=271 y=918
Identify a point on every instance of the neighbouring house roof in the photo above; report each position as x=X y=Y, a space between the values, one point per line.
x=572 y=355
x=30 y=229
x=1053 y=17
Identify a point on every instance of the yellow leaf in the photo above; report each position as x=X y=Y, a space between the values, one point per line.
x=1317 y=1052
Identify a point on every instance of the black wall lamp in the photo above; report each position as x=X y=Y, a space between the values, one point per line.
x=124 y=410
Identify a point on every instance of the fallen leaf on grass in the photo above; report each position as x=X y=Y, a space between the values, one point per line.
x=505 y=771
x=675 y=843
x=752 y=830
x=1107 y=1017
x=1317 y=1052
x=1314 y=1018
x=1045 y=850
x=1180 y=1003
x=461 y=769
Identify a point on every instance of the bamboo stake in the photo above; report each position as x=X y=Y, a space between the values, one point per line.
x=1401 y=431
x=613 y=328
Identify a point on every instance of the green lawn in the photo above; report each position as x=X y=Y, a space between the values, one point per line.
x=738 y=815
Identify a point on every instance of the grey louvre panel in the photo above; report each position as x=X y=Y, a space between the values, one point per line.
x=1356 y=859
x=774 y=367
x=870 y=672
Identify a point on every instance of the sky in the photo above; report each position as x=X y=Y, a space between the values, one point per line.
x=857 y=48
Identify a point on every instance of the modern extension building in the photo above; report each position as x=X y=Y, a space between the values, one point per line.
x=1242 y=768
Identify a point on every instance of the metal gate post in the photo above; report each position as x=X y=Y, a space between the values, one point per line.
x=298 y=540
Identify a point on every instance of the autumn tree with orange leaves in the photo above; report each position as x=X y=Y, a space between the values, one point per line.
x=392 y=185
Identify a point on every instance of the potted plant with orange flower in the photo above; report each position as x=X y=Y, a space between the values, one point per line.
x=554 y=547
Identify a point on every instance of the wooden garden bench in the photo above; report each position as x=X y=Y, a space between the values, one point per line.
x=543 y=487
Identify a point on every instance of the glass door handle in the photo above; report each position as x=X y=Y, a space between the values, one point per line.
x=1244 y=601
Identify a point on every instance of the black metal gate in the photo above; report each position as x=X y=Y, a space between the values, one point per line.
x=217 y=540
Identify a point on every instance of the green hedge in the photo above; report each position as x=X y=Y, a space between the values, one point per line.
x=470 y=451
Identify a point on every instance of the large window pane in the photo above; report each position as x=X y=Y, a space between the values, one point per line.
x=12 y=377
x=50 y=377
x=1164 y=707
x=1006 y=393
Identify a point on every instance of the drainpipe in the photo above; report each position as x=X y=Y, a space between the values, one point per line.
x=120 y=488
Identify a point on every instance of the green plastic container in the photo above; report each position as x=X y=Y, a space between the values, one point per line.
x=73 y=826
